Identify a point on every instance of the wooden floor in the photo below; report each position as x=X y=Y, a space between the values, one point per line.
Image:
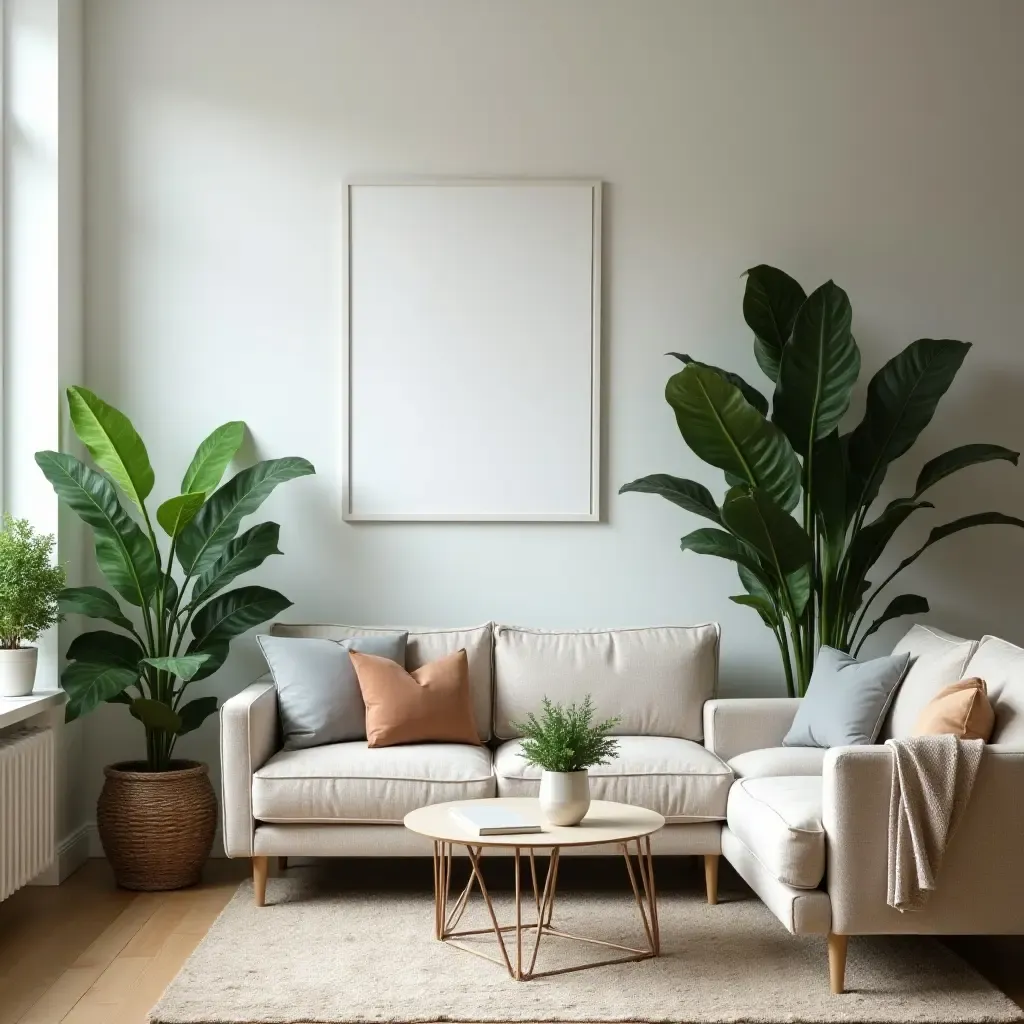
x=87 y=952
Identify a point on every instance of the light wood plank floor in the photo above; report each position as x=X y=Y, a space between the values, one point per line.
x=87 y=952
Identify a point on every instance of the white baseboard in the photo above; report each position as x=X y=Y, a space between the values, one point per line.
x=72 y=852
x=95 y=848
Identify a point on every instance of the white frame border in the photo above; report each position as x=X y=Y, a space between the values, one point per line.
x=593 y=515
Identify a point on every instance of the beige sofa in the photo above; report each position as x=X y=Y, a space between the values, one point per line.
x=346 y=799
x=808 y=829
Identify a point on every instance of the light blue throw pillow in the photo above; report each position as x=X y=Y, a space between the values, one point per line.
x=846 y=700
x=318 y=695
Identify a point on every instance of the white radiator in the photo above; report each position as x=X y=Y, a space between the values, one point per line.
x=26 y=806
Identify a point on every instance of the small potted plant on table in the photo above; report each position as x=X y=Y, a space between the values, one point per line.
x=564 y=742
x=29 y=585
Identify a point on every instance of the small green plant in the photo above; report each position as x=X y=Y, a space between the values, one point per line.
x=564 y=739
x=29 y=583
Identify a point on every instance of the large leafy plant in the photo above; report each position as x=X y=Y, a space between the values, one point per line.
x=799 y=519
x=182 y=619
x=29 y=583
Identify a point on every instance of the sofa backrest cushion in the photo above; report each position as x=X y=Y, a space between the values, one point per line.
x=425 y=645
x=936 y=660
x=656 y=680
x=1001 y=665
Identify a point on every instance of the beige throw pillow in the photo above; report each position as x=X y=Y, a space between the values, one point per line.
x=432 y=704
x=962 y=709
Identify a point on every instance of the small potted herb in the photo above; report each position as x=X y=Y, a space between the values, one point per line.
x=29 y=585
x=564 y=742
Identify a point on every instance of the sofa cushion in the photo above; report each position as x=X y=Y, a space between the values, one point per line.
x=779 y=821
x=937 y=659
x=350 y=782
x=774 y=761
x=425 y=645
x=655 y=680
x=677 y=778
x=1001 y=665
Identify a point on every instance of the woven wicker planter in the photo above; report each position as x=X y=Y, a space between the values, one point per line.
x=157 y=827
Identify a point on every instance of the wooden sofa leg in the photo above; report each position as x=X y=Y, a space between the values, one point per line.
x=259 y=879
x=711 y=876
x=837 y=962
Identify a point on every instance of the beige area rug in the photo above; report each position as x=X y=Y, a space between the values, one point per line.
x=314 y=954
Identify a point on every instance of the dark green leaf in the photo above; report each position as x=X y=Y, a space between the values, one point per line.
x=154 y=714
x=799 y=586
x=905 y=604
x=212 y=457
x=709 y=541
x=828 y=495
x=176 y=513
x=871 y=540
x=88 y=684
x=113 y=442
x=205 y=539
x=195 y=712
x=184 y=666
x=218 y=654
x=119 y=698
x=235 y=612
x=93 y=602
x=956 y=526
x=240 y=556
x=687 y=494
x=901 y=400
x=722 y=428
x=751 y=394
x=762 y=606
x=819 y=367
x=771 y=302
x=123 y=551
x=960 y=458
x=101 y=647
x=774 y=534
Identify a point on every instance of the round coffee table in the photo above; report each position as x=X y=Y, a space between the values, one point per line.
x=606 y=824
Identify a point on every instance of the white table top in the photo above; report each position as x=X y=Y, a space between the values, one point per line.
x=605 y=822
x=19 y=709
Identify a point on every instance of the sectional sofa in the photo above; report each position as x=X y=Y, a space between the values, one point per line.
x=346 y=799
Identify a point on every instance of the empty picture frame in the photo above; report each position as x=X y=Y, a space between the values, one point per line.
x=472 y=350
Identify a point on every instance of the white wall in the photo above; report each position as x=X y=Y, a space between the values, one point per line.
x=877 y=143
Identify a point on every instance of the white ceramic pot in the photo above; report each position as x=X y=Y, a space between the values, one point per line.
x=18 y=671
x=564 y=797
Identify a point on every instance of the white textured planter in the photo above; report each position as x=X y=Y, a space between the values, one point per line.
x=18 y=671
x=564 y=797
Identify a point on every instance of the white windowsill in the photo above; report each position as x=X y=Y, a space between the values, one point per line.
x=17 y=709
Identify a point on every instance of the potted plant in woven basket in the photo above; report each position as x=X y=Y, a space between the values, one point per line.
x=29 y=586
x=157 y=817
x=564 y=742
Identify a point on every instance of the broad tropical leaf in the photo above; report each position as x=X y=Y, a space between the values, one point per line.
x=244 y=553
x=93 y=602
x=774 y=534
x=205 y=539
x=828 y=495
x=212 y=457
x=871 y=540
x=722 y=428
x=101 y=647
x=905 y=604
x=217 y=655
x=960 y=458
x=113 y=442
x=155 y=714
x=761 y=605
x=751 y=394
x=799 y=585
x=819 y=367
x=195 y=712
x=176 y=513
x=123 y=551
x=184 y=666
x=771 y=302
x=88 y=684
x=708 y=541
x=687 y=494
x=901 y=400
x=235 y=612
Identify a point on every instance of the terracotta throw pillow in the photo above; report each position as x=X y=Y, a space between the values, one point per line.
x=431 y=705
x=962 y=709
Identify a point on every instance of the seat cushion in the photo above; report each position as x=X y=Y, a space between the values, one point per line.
x=677 y=778
x=1001 y=665
x=779 y=821
x=350 y=782
x=774 y=761
x=655 y=681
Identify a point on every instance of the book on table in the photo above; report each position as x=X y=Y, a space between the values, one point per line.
x=487 y=820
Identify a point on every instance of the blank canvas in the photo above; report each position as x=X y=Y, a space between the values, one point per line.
x=473 y=342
